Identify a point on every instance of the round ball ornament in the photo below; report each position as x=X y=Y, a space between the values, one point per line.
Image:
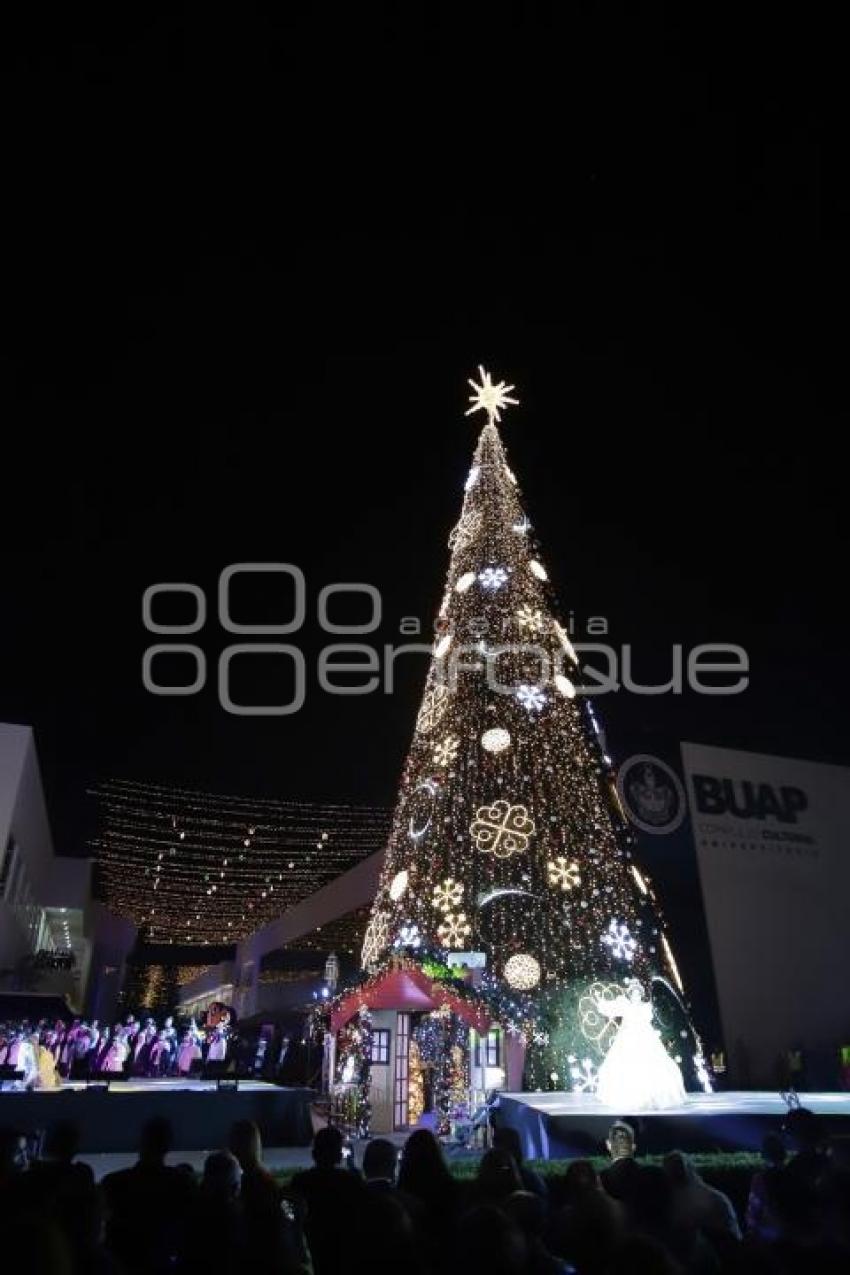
x=522 y=972
x=496 y=740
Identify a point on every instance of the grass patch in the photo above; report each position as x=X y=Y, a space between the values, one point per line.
x=716 y=1167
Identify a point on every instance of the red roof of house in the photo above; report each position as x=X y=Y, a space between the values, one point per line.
x=408 y=988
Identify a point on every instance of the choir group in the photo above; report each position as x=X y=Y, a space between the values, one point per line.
x=41 y=1055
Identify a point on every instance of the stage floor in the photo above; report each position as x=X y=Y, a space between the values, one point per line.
x=556 y=1125
x=699 y=1105
x=164 y=1084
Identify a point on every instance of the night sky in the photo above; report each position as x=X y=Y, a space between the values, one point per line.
x=248 y=270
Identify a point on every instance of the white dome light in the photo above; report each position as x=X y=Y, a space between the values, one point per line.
x=398 y=885
x=466 y=581
x=537 y=569
x=565 y=686
x=473 y=477
x=496 y=740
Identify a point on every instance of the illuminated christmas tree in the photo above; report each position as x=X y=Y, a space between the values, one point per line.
x=508 y=837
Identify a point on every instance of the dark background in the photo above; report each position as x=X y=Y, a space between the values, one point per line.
x=248 y=267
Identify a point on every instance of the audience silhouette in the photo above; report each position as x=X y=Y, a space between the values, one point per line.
x=407 y=1213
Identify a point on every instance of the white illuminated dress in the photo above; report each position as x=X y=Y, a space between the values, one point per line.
x=637 y=1073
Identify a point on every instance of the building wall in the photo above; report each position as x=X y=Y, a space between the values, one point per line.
x=25 y=845
x=34 y=880
x=771 y=843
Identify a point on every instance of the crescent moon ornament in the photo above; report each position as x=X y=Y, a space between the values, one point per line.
x=419 y=829
x=489 y=895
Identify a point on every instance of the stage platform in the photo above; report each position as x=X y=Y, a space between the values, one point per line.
x=200 y=1114
x=557 y=1125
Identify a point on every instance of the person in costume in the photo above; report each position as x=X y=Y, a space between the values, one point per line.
x=99 y=1060
x=189 y=1051
x=217 y=1050
x=48 y=1077
x=173 y=1045
x=81 y=1054
x=159 y=1057
x=117 y=1054
x=141 y=1049
x=637 y=1073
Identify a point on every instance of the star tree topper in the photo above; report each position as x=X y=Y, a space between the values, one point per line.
x=489 y=397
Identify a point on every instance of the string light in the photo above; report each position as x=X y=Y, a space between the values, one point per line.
x=216 y=858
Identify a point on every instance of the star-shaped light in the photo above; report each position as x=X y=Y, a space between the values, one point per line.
x=489 y=397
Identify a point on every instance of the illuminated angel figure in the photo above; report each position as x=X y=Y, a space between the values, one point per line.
x=637 y=1073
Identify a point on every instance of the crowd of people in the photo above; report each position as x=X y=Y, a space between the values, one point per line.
x=41 y=1055
x=404 y=1211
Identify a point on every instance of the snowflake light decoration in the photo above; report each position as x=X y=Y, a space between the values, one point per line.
x=492 y=578
x=434 y=705
x=619 y=940
x=408 y=936
x=531 y=698
x=490 y=397
x=563 y=873
x=447 y=895
x=375 y=939
x=530 y=619
x=465 y=530
x=454 y=929
x=446 y=751
x=583 y=1074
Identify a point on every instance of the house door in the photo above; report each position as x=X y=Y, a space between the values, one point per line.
x=402 y=1072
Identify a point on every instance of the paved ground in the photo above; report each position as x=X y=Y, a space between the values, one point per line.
x=274 y=1157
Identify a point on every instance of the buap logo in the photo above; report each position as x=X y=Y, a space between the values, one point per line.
x=746 y=799
x=651 y=793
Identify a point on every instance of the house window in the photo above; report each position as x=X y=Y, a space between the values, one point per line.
x=381 y=1046
x=493 y=1048
x=476 y=1050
